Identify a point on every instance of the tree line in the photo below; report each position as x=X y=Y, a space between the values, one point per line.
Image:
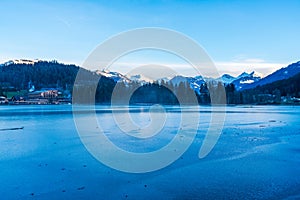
x=45 y=74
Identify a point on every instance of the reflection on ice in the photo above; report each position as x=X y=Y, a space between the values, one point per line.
x=257 y=155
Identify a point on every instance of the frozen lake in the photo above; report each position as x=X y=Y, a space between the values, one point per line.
x=256 y=157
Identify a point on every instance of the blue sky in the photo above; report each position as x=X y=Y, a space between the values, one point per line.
x=238 y=35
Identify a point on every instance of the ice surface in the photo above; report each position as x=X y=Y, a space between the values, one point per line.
x=257 y=156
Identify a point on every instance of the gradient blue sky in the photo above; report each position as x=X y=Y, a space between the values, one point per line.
x=238 y=35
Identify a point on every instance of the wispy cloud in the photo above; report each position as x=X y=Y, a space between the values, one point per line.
x=254 y=60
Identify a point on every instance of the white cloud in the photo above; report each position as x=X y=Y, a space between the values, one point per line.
x=249 y=65
x=233 y=68
x=254 y=60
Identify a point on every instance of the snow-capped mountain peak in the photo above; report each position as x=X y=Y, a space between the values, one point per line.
x=241 y=80
x=251 y=74
x=194 y=82
x=20 y=61
x=245 y=79
x=113 y=75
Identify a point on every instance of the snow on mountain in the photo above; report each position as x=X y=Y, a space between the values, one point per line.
x=113 y=75
x=20 y=61
x=241 y=82
x=283 y=73
x=140 y=78
x=194 y=82
x=245 y=79
x=116 y=76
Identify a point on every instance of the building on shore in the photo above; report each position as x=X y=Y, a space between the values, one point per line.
x=42 y=97
x=46 y=93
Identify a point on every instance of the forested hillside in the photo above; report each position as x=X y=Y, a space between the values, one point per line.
x=43 y=74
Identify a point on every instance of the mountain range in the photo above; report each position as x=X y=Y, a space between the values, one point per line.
x=242 y=82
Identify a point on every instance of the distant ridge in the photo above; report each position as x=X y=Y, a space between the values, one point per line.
x=281 y=74
x=243 y=81
x=18 y=78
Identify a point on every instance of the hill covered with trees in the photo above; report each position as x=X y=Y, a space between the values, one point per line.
x=282 y=91
x=43 y=74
